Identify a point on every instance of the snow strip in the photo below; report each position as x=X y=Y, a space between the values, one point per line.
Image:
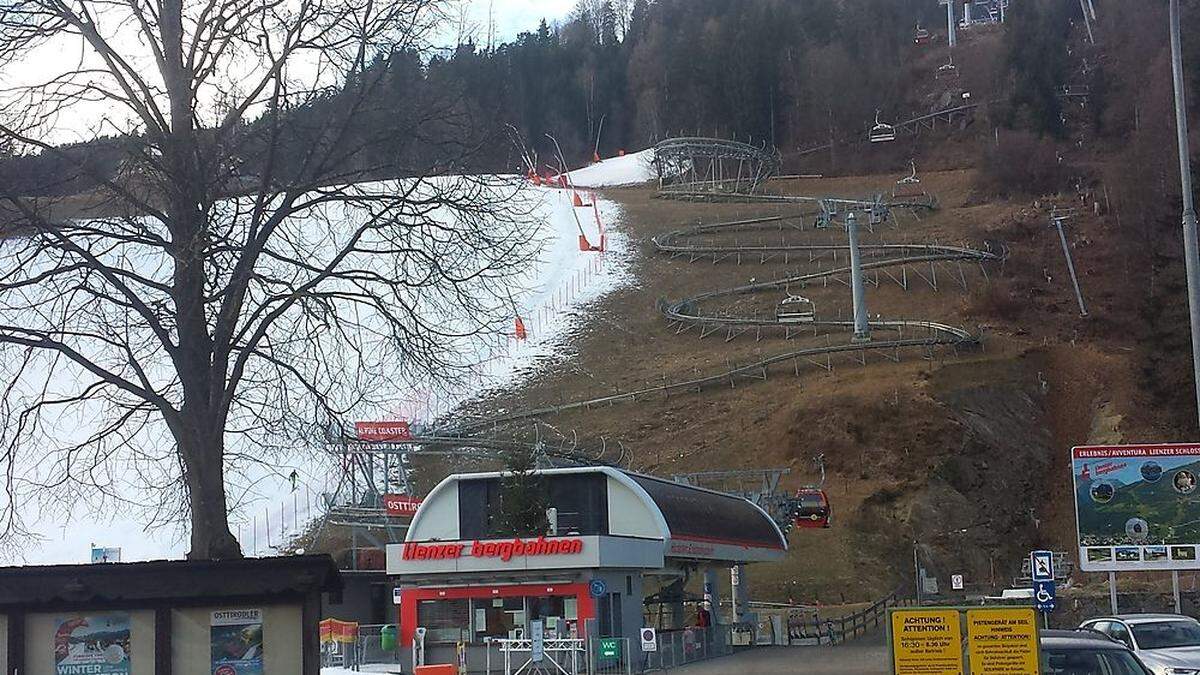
x=631 y=169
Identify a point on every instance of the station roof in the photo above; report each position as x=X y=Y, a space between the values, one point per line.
x=700 y=514
x=697 y=522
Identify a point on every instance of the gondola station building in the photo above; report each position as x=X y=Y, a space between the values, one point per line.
x=615 y=538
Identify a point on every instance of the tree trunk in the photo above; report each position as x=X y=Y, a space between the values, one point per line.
x=203 y=460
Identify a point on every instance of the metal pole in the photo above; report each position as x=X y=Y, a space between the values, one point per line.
x=1112 y=592
x=1175 y=590
x=862 y=329
x=1087 y=21
x=950 y=23
x=738 y=591
x=917 y=574
x=1070 y=266
x=1190 y=247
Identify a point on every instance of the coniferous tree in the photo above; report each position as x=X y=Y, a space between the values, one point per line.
x=523 y=497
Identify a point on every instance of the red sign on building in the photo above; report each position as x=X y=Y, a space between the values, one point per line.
x=401 y=505
x=504 y=550
x=382 y=432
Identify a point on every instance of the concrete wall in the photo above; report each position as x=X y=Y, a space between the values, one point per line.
x=39 y=641
x=192 y=635
x=631 y=604
x=361 y=598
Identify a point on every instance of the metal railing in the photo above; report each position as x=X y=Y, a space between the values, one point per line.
x=689 y=645
x=369 y=646
x=612 y=656
x=836 y=630
x=558 y=655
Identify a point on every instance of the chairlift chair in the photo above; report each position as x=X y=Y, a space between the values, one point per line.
x=796 y=309
x=827 y=215
x=921 y=35
x=882 y=133
x=947 y=69
x=910 y=185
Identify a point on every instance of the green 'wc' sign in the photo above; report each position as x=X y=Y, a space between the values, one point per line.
x=610 y=648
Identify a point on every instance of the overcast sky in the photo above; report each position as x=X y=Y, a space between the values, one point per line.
x=515 y=16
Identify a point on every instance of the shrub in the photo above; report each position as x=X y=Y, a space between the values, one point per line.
x=1022 y=165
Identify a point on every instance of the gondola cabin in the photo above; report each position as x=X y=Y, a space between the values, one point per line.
x=796 y=309
x=812 y=508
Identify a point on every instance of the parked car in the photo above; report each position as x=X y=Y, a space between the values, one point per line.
x=1169 y=644
x=1083 y=652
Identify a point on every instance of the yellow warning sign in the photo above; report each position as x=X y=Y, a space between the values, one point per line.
x=926 y=642
x=1003 y=641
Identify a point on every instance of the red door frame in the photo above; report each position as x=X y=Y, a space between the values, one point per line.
x=409 y=597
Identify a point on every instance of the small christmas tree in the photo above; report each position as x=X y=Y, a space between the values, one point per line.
x=523 y=496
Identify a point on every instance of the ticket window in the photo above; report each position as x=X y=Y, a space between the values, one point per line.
x=499 y=618
x=553 y=612
x=444 y=620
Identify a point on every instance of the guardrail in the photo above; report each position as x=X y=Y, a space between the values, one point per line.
x=837 y=630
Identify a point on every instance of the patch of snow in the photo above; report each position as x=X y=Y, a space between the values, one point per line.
x=631 y=169
x=365 y=668
x=551 y=298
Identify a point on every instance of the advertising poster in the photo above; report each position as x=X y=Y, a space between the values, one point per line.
x=96 y=644
x=237 y=642
x=1137 y=507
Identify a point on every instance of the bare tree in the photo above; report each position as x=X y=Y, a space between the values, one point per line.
x=242 y=287
x=624 y=10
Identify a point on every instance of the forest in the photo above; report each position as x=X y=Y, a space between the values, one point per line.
x=622 y=74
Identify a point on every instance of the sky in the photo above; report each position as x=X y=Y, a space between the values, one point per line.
x=515 y=16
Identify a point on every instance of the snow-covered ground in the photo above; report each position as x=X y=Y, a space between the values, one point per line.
x=549 y=298
x=630 y=169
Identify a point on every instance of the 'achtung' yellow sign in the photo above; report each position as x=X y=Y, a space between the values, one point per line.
x=926 y=642
x=1003 y=641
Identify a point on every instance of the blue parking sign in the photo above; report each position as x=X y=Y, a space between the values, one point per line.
x=1044 y=596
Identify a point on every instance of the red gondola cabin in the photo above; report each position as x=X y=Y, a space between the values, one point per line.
x=812 y=509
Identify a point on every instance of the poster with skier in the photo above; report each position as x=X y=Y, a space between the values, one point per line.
x=92 y=645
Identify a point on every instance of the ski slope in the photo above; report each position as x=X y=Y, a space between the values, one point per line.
x=551 y=297
x=632 y=169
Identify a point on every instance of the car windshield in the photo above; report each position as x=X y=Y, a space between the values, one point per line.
x=1164 y=634
x=811 y=500
x=1090 y=662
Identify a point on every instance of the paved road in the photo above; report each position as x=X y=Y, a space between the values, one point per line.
x=851 y=659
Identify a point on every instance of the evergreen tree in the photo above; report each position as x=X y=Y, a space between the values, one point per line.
x=523 y=497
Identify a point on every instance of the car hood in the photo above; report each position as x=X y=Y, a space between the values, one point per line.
x=1183 y=657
